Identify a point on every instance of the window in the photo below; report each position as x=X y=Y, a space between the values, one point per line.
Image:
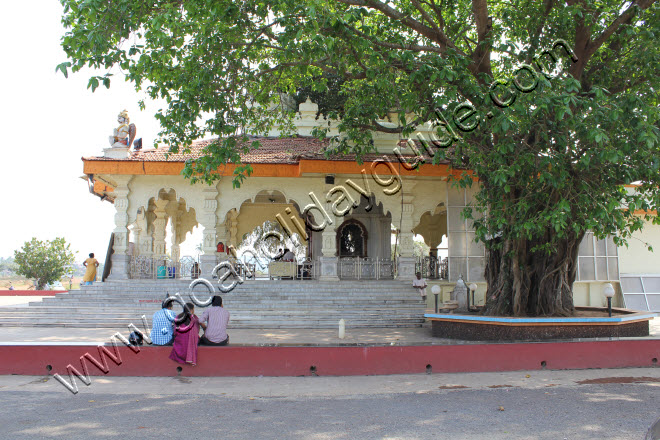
x=466 y=257
x=641 y=292
x=598 y=260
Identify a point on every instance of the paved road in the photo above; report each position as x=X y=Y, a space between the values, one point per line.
x=593 y=404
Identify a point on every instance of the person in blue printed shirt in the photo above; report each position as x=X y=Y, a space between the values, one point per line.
x=161 y=324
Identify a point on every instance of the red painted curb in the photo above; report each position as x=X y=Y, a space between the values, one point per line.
x=31 y=292
x=336 y=361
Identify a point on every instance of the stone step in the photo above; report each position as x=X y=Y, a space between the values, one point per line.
x=302 y=325
x=331 y=317
x=254 y=304
x=239 y=291
x=334 y=318
x=277 y=295
x=234 y=317
x=252 y=311
x=148 y=302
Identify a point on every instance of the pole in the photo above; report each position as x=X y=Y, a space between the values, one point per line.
x=436 y=302
x=609 y=306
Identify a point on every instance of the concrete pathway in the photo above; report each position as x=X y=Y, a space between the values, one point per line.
x=381 y=336
x=531 y=405
x=19 y=301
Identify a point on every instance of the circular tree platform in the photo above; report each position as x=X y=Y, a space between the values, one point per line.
x=588 y=322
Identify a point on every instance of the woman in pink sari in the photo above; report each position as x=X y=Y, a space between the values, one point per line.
x=186 y=337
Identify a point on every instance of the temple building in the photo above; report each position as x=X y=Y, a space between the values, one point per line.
x=351 y=221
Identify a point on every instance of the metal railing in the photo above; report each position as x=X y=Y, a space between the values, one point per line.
x=251 y=268
x=163 y=267
x=433 y=268
x=358 y=268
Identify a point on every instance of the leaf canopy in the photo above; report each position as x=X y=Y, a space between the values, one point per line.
x=553 y=158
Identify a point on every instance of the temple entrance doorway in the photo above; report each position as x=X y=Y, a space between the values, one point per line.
x=364 y=243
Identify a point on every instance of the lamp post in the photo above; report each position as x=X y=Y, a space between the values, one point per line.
x=473 y=288
x=435 y=290
x=608 y=291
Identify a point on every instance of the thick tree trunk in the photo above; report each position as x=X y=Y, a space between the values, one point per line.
x=526 y=283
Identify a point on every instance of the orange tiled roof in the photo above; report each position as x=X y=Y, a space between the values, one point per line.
x=273 y=150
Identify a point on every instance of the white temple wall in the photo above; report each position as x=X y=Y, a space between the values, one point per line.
x=636 y=258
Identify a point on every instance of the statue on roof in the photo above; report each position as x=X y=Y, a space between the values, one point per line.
x=123 y=135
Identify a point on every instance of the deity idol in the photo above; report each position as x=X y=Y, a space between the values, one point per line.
x=124 y=134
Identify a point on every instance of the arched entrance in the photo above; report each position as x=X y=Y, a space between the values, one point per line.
x=161 y=227
x=364 y=243
x=432 y=228
x=262 y=228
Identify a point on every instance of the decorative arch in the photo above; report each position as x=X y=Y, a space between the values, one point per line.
x=181 y=216
x=432 y=225
x=352 y=238
x=279 y=195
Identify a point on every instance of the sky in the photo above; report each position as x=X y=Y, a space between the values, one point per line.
x=48 y=123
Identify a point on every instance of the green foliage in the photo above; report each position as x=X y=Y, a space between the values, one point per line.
x=553 y=161
x=328 y=97
x=43 y=261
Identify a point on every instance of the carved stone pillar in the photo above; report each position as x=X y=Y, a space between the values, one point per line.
x=137 y=236
x=160 y=225
x=233 y=227
x=143 y=241
x=406 y=244
x=177 y=235
x=146 y=244
x=221 y=235
x=386 y=238
x=329 y=260
x=120 y=259
x=209 y=220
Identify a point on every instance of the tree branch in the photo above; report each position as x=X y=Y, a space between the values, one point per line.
x=429 y=20
x=625 y=17
x=536 y=37
x=481 y=53
x=420 y=28
x=388 y=45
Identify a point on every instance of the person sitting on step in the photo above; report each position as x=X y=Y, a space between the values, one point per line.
x=161 y=324
x=186 y=336
x=214 y=321
x=420 y=284
x=288 y=256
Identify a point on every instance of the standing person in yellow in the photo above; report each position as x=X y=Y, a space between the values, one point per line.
x=90 y=274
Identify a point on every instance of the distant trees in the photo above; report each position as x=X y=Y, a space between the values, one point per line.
x=43 y=261
x=7 y=266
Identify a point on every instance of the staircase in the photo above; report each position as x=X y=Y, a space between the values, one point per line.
x=253 y=304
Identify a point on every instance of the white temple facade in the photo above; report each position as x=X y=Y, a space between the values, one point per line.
x=352 y=221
